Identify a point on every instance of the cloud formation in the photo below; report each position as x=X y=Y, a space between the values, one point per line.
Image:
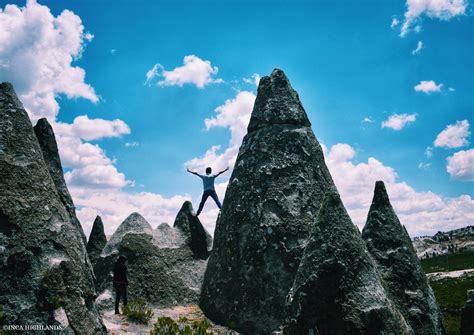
x=421 y=212
x=93 y=129
x=398 y=121
x=454 y=135
x=461 y=165
x=37 y=51
x=193 y=71
x=428 y=86
x=439 y=9
x=416 y=51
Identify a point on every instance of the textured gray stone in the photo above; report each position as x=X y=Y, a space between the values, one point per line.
x=405 y=281
x=47 y=141
x=467 y=316
x=97 y=240
x=273 y=196
x=45 y=274
x=163 y=276
x=195 y=236
x=337 y=289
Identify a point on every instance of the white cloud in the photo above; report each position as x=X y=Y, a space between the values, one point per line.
x=428 y=86
x=194 y=71
x=113 y=51
x=454 y=135
x=394 y=23
x=131 y=144
x=416 y=51
x=367 y=119
x=424 y=166
x=461 y=165
x=254 y=79
x=451 y=89
x=37 y=54
x=398 y=121
x=93 y=129
x=421 y=212
x=37 y=51
x=114 y=207
x=234 y=114
x=429 y=152
x=440 y=9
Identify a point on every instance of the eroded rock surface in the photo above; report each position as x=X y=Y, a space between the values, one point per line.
x=337 y=289
x=47 y=141
x=194 y=234
x=45 y=274
x=97 y=240
x=273 y=196
x=467 y=316
x=162 y=276
x=406 y=284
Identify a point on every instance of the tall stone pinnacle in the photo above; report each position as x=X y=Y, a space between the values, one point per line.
x=45 y=274
x=406 y=284
x=47 y=141
x=195 y=236
x=97 y=240
x=274 y=193
x=337 y=289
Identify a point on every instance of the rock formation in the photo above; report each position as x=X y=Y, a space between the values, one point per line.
x=47 y=141
x=273 y=196
x=161 y=272
x=337 y=289
x=45 y=274
x=195 y=236
x=467 y=316
x=97 y=240
x=406 y=284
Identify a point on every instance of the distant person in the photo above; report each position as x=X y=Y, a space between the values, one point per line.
x=208 y=184
x=120 y=282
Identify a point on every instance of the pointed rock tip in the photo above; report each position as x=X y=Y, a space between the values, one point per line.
x=380 y=193
x=187 y=206
x=6 y=86
x=43 y=123
x=277 y=103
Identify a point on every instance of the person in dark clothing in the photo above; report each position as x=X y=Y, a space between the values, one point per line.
x=209 y=190
x=120 y=282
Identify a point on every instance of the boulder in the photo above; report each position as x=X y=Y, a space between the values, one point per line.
x=193 y=232
x=97 y=240
x=467 y=316
x=405 y=281
x=337 y=289
x=47 y=141
x=45 y=273
x=274 y=193
x=162 y=276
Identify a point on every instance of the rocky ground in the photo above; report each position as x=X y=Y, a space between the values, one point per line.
x=119 y=325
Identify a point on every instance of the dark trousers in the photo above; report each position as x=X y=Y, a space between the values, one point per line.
x=120 y=292
x=205 y=195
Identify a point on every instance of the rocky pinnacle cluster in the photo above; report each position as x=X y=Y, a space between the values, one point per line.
x=286 y=254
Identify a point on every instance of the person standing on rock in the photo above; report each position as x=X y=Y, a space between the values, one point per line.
x=120 y=282
x=209 y=190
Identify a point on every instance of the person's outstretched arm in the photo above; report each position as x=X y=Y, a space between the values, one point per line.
x=227 y=168
x=194 y=173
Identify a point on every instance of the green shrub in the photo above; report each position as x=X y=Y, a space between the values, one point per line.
x=167 y=326
x=138 y=311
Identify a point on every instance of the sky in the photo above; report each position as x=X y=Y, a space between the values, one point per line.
x=139 y=91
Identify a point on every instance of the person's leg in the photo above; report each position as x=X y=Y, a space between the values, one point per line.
x=117 y=299
x=205 y=195
x=124 y=294
x=216 y=198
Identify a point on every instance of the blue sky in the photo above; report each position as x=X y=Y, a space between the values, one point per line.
x=344 y=59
